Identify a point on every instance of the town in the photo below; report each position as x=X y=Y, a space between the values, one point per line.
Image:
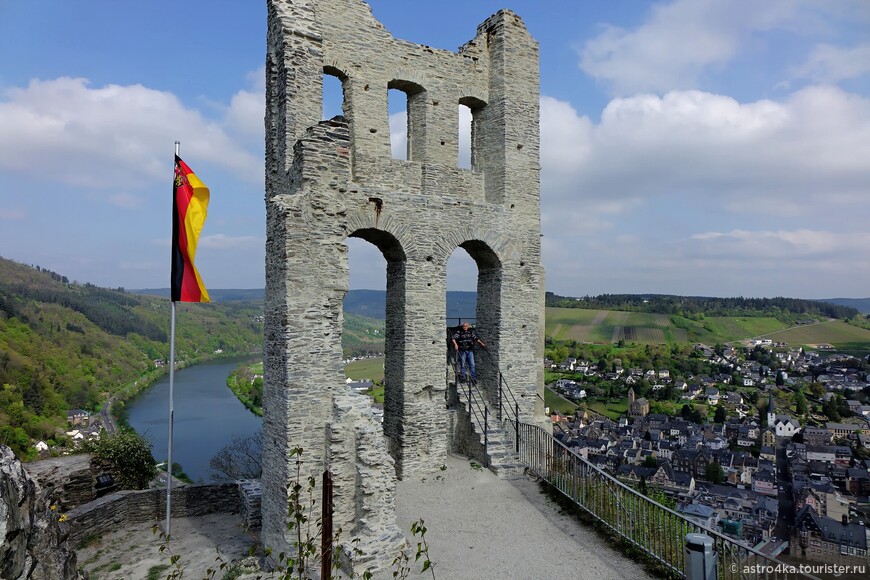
x=763 y=442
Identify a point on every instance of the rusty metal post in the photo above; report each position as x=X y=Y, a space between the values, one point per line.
x=326 y=528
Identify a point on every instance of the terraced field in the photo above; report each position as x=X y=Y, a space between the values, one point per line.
x=834 y=332
x=607 y=327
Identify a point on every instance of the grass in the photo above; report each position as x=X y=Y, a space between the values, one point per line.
x=613 y=409
x=607 y=327
x=368 y=368
x=377 y=393
x=558 y=403
x=835 y=332
x=156 y=572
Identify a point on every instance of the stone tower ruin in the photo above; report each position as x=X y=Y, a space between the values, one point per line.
x=330 y=180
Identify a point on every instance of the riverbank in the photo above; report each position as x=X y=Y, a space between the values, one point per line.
x=118 y=411
x=246 y=383
x=207 y=416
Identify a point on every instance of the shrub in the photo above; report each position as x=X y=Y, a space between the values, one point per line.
x=129 y=454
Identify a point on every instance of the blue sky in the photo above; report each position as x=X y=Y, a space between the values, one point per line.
x=704 y=147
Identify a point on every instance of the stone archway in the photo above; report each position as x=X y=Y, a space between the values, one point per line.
x=328 y=180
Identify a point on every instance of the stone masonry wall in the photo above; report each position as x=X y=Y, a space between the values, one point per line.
x=127 y=507
x=330 y=180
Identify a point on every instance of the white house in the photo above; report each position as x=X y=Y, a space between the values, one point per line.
x=785 y=426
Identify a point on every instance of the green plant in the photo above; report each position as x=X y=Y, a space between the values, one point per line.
x=129 y=454
x=233 y=573
x=308 y=531
x=156 y=572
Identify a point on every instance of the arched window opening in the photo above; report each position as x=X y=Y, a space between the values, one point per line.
x=407 y=109
x=333 y=92
x=374 y=324
x=473 y=296
x=397 y=107
x=465 y=116
x=364 y=311
x=470 y=109
x=461 y=288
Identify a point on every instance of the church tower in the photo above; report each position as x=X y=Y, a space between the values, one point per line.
x=771 y=413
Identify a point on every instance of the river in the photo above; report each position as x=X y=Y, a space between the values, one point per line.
x=207 y=416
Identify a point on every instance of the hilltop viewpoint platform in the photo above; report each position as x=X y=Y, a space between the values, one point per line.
x=479 y=527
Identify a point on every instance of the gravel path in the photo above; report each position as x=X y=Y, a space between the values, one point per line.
x=479 y=527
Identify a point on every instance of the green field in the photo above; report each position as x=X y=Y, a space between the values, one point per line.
x=835 y=332
x=609 y=327
x=369 y=368
x=558 y=403
x=612 y=409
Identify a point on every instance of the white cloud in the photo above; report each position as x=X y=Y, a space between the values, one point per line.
x=224 y=242
x=831 y=64
x=688 y=143
x=681 y=40
x=399 y=135
x=244 y=116
x=221 y=242
x=624 y=199
x=106 y=136
x=125 y=200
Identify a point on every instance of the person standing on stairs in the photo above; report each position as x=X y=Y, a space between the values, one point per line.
x=464 y=340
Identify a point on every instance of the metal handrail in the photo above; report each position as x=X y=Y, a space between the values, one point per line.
x=646 y=524
x=650 y=526
x=475 y=401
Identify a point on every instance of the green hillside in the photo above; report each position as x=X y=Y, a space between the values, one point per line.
x=362 y=335
x=612 y=326
x=65 y=346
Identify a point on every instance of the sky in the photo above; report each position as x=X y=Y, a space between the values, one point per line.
x=692 y=147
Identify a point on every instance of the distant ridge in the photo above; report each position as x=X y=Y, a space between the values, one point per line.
x=371 y=303
x=216 y=295
x=861 y=304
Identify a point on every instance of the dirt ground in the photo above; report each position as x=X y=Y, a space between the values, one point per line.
x=132 y=553
x=479 y=527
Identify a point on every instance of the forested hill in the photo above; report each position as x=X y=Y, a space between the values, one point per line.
x=369 y=303
x=65 y=345
x=787 y=309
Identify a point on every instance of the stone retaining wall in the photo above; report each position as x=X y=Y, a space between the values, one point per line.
x=124 y=508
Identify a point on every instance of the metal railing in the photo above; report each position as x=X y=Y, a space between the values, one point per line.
x=478 y=411
x=648 y=525
x=656 y=530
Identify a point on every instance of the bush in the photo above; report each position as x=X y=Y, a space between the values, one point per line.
x=129 y=454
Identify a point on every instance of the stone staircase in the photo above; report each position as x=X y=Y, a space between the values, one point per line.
x=497 y=442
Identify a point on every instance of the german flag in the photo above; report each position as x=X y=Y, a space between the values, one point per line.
x=189 y=207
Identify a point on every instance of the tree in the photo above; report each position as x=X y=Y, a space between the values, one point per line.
x=650 y=461
x=830 y=409
x=721 y=414
x=241 y=459
x=780 y=379
x=641 y=486
x=715 y=473
x=129 y=457
x=800 y=402
x=686 y=411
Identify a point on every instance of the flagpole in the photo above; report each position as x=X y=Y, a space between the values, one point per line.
x=171 y=396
